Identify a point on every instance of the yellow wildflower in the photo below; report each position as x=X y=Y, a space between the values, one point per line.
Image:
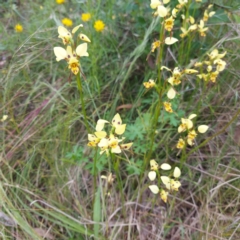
x=186 y=124
x=149 y=84
x=60 y=1
x=99 y=25
x=191 y=136
x=153 y=165
x=18 y=28
x=180 y=143
x=70 y=56
x=168 y=107
x=213 y=76
x=155 y=45
x=163 y=195
x=67 y=22
x=202 y=29
x=86 y=17
x=169 y=23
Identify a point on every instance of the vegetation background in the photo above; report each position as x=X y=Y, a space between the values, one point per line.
x=46 y=183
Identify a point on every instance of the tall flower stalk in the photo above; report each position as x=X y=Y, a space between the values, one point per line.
x=72 y=55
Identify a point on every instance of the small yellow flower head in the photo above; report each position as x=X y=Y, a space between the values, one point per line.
x=186 y=124
x=95 y=138
x=86 y=17
x=67 y=22
x=60 y=1
x=150 y=84
x=202 y=29
x=213 y=76
x=70 y=56
x=168 y=107
x=220 y=64
x=180 y=143
x=174 y=185
x=190 y=137
x=169 y=23
x=99 y=25
x=164 y=195
x=18 y=28
x=184 y=32
x=155 y=45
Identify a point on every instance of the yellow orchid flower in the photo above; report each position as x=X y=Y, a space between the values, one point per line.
x=65 y=35
x=119 y=128
x=95 y=138
x=190 y=137
x=169 y=23
x=181 y=144
x=202 y=29
x=150 y=84
x=70 y=56
x=155 y=45
x=153 y=165
x=164 y=195
x=186 y=124
x=111 y=144
x=168 y=107
x=117 y=124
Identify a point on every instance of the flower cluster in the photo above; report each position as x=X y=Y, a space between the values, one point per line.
x=190 y=24
x=170 y=183
x=71 y=54
x=213 y=66
x=175 y=80
x=188 y=127
x=109 y=143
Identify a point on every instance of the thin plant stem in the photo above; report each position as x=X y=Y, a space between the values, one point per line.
x=119 y=180
x=159 y=104
x=79 y=85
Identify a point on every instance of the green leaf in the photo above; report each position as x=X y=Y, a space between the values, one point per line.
x=97 y=214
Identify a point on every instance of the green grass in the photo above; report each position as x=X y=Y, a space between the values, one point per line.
x=50 y=187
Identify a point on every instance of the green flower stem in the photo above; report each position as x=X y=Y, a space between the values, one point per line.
x=160 y=102
x=119 y=180
x=79 y=85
